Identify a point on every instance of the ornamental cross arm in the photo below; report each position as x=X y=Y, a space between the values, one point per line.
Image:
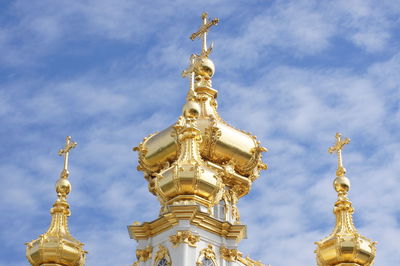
x=65 y=152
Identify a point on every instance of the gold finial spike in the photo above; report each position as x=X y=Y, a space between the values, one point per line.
x=202 y=32
x=65 y=151
x=338 y=149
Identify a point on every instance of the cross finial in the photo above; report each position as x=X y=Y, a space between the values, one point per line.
x=65 y=151
x=202 y=33
x=338 y=149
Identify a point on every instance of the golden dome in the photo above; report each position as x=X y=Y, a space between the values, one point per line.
x=200 y=156
x=220 y=144
x=57 y=246
x=344 y=246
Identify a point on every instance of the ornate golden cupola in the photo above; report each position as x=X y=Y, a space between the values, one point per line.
x=344 y=246
x=198 y=168
x=200 y=158
x=57 y=247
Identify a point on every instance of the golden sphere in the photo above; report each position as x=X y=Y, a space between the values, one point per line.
x=63 y=186
x=341 y=184
x=204 y=67
x=191 y=110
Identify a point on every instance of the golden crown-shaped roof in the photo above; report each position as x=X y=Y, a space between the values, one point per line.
x=344 y=246
x=200 y=155
x=57 y=246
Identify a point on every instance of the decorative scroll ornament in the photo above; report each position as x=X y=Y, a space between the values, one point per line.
x=344 y=244
x=186 y=237
x=147 y=169
x=249 y=262
x=207 y=253
x=162 y=253
x=212 y=133
x=257 y=153
x=230 y=254
x=144 y=254
x=57 y=245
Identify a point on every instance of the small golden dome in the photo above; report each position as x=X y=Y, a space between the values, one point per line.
x=63 y=187
x=344 y=246
x=191 y=109
x=57 y=246
x=341 y=184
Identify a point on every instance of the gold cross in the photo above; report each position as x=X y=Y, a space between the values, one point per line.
x=338 y=149
x=65 y=151
x=202 y=32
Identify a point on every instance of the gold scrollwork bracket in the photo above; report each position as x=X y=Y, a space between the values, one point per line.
x=186 y=237
x=162 y=253
x=207 y=253
x=144 y=254
x=230 y=254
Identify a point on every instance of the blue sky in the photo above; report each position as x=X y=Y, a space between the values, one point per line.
x=108 y=74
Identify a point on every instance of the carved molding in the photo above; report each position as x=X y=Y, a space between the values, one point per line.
x=196 y=217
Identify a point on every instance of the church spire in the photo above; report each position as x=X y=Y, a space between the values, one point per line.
x=344 y=246
x=57 y=247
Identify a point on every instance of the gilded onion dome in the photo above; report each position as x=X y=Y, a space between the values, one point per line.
x=200 y=155
x=344 y=246
x=57 y=247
